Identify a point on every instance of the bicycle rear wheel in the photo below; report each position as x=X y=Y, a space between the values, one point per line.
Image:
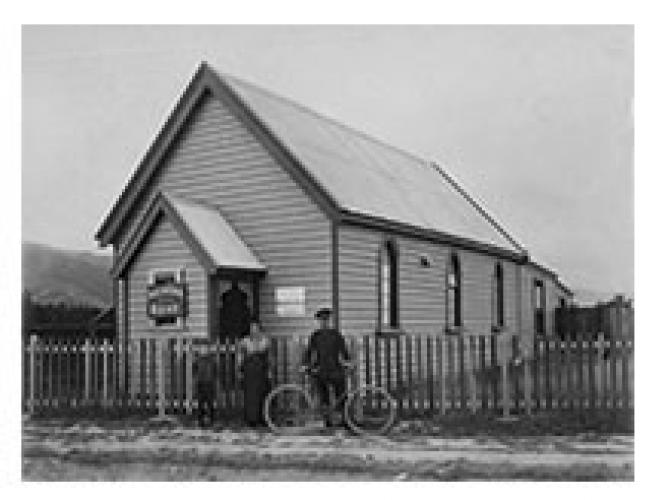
x=370 y=410
x=288 y=409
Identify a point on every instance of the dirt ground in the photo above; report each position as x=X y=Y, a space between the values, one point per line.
x=61 y=450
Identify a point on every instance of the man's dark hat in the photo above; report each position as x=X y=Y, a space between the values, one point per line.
x=324 y=312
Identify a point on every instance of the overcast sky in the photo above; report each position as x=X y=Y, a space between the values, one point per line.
x=535 y=122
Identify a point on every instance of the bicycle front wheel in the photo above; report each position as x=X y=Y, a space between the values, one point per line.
x=289 y=409
x=370 y=410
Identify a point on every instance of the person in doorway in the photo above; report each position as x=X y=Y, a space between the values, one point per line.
x=235 y=314
x=255 y=369
x=327 y=356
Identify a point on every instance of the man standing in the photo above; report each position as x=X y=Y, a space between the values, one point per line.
x=327 y=355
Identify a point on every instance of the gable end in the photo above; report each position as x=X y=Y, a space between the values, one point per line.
x=203 y=82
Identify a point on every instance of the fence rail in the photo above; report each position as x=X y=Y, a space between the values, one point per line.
x=426 y=374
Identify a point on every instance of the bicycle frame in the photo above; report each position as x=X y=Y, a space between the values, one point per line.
x=333 y=402
x=328 y=411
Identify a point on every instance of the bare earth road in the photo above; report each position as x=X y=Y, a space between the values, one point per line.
x=88 y=452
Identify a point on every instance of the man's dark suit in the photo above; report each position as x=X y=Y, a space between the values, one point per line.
x=325 y=348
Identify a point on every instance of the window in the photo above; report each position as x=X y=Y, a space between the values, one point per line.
x=498 y=311
x=539 y=307
x=453 y=306
x=166 y=297
x=388 y=287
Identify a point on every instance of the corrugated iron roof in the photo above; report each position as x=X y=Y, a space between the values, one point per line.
x=368 y=177
x=215 y=236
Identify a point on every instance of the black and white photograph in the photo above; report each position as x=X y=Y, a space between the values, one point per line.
x=327 y=253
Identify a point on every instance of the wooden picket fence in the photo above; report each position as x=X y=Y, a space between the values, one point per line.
x=427 y=374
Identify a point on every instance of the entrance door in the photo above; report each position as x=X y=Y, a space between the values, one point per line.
x=235 y=303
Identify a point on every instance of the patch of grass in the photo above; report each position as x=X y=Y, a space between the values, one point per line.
x=593 y=425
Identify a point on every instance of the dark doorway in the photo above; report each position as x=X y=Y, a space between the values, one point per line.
x=235 y=314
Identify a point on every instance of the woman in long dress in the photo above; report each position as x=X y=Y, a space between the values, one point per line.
x=255 y=372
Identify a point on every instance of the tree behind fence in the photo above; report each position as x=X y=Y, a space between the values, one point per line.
x=614 y=318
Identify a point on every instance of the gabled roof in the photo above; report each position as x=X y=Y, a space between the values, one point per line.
x=353 y=174
x=212 y=240
x=369 y=177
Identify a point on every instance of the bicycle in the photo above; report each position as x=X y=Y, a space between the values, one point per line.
x=294 y=408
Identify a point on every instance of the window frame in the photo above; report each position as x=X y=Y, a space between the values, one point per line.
x=539 y=295
x=453 y=292
x=498 y=297
x=388 y=252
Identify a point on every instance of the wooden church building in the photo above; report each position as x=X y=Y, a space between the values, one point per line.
x=247 y=196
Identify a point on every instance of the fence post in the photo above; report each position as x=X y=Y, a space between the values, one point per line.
x=506 y=355
x=626 y=352
x=105 y=378
x=471 y=374
x=600 y=367
x=462 y=373
x=408 y=371
x=440 y=348
x=160 y=366
x=87 y=371
x=527 y=379
x=399 y=374
x=189 y=377
x=57 y=375
x=33 y=378
x=47 y=366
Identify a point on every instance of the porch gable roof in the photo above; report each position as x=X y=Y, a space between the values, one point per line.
x=213 y=241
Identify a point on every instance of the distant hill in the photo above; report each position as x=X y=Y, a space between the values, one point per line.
x=53 y=276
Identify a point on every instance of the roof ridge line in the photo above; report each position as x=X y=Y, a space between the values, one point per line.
x=476 y=205
x=367 y=136
x=322 y=116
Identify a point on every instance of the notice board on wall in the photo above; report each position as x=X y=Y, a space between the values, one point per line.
x=290 y=301
x=166 y=300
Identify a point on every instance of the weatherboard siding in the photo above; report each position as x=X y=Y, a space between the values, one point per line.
x=421 y=289
x=217 y=161
x=422 y=298
x=163 y=249
x=357 y=283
